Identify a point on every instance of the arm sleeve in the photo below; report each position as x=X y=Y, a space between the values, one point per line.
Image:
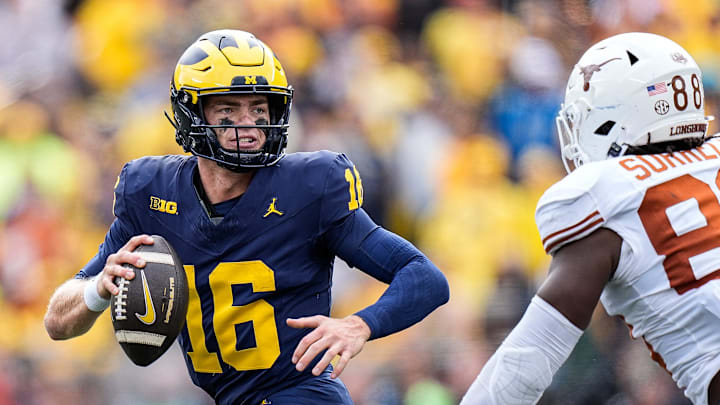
x=525 y=363
x=416 y=287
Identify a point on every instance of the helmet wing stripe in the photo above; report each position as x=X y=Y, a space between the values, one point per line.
x=192 y=56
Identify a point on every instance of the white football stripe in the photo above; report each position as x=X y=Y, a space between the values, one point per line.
x=156 y=257
x=705 y=263
x=143 y=338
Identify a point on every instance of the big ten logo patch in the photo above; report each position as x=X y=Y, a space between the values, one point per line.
x=168 y=207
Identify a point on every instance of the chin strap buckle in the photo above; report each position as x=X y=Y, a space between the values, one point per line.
x=614 y=150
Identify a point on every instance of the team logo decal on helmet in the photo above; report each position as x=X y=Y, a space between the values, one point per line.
x=587 y=72
x=229 y=62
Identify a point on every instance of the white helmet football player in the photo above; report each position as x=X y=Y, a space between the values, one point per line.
x=627 y=91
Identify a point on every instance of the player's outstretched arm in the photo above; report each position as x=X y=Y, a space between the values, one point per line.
x=416 y=288
x=524 y=364
x=77 y=303
x=67 y=315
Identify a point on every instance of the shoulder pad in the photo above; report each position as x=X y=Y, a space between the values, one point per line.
x=568 y=210
x=152 y=168
x=309 y=170
x=313 y=161
x=137 y=175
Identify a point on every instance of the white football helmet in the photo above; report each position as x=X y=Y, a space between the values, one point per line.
x=630 y=90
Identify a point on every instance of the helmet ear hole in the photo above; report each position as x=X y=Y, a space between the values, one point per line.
x=605 y=128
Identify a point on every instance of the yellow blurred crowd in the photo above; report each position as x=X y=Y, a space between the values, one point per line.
x=446 y=107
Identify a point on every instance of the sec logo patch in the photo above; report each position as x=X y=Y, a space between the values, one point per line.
x=662 y=107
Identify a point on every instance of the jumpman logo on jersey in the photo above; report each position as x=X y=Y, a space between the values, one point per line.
x=271 y=209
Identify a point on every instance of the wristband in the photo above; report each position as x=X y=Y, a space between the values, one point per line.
x=93 y=300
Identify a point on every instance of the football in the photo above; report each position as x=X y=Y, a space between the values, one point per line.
x=149 y=311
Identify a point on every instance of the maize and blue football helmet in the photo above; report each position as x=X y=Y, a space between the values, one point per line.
x=229 y=62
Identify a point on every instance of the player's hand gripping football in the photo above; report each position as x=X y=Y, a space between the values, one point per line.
x=344 y=337
x=114 y=265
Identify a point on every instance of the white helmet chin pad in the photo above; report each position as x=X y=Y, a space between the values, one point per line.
x=631 y=89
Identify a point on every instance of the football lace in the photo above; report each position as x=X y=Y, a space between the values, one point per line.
x=121 y=300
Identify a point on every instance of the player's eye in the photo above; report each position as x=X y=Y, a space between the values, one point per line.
x=259 y=110
x=226 y=110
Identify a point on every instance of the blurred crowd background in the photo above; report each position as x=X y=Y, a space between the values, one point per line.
x=446 y=106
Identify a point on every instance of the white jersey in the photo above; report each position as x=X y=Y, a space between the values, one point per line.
x=667 y=284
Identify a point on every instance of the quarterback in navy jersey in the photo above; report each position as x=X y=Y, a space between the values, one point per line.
x=257 y=232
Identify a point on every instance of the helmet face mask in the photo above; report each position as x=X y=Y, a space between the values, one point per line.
x=229 y=62
x=628 y=91
x=567 y=119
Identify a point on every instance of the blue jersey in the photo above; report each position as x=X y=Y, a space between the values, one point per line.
x=267 y=260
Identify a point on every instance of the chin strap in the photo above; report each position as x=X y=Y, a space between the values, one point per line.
x=615 y=150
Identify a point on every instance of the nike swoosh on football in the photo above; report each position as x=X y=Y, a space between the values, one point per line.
x=149 y=317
